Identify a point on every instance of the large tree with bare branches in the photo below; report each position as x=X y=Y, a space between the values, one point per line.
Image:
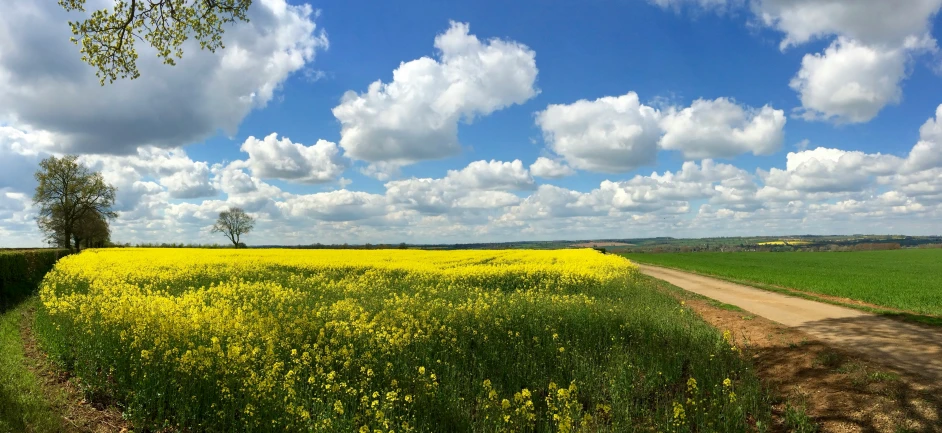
x=107 y=36
x=234 y=223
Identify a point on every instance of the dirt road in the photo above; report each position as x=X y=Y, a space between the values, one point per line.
x=915 y=348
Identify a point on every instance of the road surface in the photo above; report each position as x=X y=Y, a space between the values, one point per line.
x=910 y=347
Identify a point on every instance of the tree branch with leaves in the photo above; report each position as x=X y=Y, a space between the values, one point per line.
x=107 y=37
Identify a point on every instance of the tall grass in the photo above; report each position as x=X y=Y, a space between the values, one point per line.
x=904 y=279
x=244 y=340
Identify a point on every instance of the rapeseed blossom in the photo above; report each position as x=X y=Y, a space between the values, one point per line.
x=347 y=340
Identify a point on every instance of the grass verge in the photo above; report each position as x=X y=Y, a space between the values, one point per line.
x=24 y=406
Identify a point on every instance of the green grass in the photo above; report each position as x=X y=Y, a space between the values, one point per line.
x=909 y=280
x=23 y=405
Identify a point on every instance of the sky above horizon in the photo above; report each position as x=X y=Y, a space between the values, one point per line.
x=452 y=122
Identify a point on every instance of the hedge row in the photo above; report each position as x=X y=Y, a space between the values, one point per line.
x=22 y=270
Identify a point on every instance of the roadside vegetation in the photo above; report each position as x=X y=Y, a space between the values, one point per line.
x=906 y=279
x=237 y=340
x=24 y=407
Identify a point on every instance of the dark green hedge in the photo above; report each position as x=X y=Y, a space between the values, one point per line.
x=22 y=270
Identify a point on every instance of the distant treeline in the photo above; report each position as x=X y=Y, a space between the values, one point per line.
x=319 y=246
x=863 y=245
x=166 y=245
x=646 y=245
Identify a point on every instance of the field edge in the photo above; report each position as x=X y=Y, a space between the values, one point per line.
x=896 y=314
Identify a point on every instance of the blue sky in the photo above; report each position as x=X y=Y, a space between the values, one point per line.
x=697 y=118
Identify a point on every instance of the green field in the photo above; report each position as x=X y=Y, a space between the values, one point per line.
x=909 y=280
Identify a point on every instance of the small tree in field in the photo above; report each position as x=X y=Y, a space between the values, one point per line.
x=234 y=223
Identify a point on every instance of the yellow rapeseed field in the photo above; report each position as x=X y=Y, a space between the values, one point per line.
x=390 y=341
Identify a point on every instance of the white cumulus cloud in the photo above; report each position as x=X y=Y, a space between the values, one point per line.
x=722 y=129
x=271 y=158
x=610 y=134
x=869 y=21
x=550 y=168
x=415 y=117
x=44 y=83
x=850 y=82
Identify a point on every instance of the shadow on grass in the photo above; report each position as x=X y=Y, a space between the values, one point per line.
x=913 y=318
x=911 y=347
x=11 y=412
x=14 y=293
x=853 y=390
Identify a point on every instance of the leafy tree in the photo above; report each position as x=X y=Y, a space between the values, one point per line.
x=93 y=229
x=234 y=223
x=107 y=37
x=71 y=199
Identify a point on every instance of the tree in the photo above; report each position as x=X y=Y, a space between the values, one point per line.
x=93 y=229
x=234 y=223
x=70 y=196
x=107 y=37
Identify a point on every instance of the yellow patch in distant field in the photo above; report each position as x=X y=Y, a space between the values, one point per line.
x=785 y=242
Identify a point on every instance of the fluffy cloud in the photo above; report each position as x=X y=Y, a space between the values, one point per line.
x=722 y=129
x=610 y=134
x=491 y=175
x=927 y=153
x=619 y=134
x=550 y=168
x=170 y=168
x=487 y=200
x=869 y=21
x=851 y=82
x=862 y=70
x=271 y=158
x=415 y=117
x=190 y=183
x=19 y=156
x=830 y=170
x=341 y=205
x=475 y=186
x=43 y=82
